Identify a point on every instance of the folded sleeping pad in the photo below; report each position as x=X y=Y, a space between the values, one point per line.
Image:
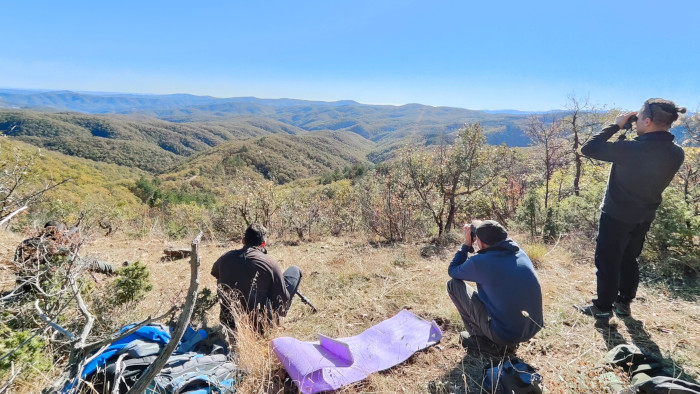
x=332 y=363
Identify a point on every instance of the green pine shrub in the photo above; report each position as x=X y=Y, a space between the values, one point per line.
x=132 y=283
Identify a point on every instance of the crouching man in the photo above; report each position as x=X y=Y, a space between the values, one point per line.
x=252 y=282
x=506 y=308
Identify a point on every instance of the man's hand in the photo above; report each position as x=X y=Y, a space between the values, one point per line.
x=467 y=231
x=623 y=118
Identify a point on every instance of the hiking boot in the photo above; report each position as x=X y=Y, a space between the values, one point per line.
x=592 y=310
x=622 y=309
x=482 y=345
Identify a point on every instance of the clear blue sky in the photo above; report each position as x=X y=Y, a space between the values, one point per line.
x=526 y=55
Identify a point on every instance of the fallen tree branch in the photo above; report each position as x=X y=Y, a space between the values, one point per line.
x=153 y=370
x=50 y=322
x=8 y=217
x=89 y=317
x=118 y=374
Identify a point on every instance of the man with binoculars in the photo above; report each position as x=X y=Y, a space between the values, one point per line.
x=641 y=169
x=506 y=308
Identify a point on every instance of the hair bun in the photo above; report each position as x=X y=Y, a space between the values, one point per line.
x=681 y=110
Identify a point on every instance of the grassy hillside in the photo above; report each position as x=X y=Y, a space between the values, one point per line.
x=95 y=189
x=356 y=285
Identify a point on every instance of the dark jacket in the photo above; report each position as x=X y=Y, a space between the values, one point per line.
x=641 y=170
x=507 y=285
x=254 y=277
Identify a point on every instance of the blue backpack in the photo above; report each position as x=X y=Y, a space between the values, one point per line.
x=199 y=364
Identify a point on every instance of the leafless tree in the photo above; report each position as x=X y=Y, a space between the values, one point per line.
x=580 y=124
x=691 y=124
x=82 y=351
x=548 y=137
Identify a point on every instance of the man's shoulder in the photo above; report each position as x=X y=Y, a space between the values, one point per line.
x=259 y=255
x=232 y=252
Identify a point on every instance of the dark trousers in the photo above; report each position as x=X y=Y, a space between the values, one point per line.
x=473 y=311
x=292 y=278
x=618 y=246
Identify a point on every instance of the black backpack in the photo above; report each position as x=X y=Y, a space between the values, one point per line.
x=512 y=375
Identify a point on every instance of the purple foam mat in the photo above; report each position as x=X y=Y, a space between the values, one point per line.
x=332 y=363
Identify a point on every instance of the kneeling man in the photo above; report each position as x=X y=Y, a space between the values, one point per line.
x=506 y=308
x=253 y=280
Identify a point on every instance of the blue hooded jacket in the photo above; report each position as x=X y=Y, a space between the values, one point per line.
x=507 y=285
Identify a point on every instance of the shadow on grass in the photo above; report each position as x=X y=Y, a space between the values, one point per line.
x=641 y=339
x=466 y=377
x=610 y=335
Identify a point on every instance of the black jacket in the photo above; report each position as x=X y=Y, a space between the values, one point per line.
x=642 y=168
x=254 y=277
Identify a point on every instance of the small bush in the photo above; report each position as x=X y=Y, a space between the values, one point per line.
x=672 y=241
x=550 y=231
x=131 y=284
x=31 y=353
x=529 y=214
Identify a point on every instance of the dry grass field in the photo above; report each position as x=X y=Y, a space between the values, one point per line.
x=356 y=284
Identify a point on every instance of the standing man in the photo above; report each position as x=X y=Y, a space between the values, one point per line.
x=507 y=308
x=641 y=170
x=251 y=279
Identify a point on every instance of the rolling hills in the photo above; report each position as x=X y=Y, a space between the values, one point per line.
x=374 y=122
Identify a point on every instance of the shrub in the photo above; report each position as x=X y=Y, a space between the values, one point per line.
x=672 y=241
x=31 y=353
x=529 y=213
x=131 y=284
x=551 y=229
x=581 y=213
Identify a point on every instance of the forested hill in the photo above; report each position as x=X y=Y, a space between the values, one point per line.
x=146 y=143
x=278 y=157
x=375 y=122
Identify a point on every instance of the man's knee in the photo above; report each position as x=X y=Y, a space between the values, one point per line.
x=293 y=271
x=451 y=286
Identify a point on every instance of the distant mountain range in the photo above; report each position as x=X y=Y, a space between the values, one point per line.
x=282 y=139
x=374 y=122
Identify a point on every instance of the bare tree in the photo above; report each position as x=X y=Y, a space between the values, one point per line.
x=691 y=124
x=580 y=124
x=548 y=137
x=82 y=351
x=689 y=175
x=387 y=205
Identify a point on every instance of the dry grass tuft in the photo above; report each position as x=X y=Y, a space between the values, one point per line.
x=255 y=356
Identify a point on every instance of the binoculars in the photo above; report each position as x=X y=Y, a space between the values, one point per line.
x=631 y=119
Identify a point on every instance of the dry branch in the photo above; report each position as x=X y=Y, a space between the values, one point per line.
x=50 y=322
x=8 y=384
x=8 y=217
x=182 y=323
